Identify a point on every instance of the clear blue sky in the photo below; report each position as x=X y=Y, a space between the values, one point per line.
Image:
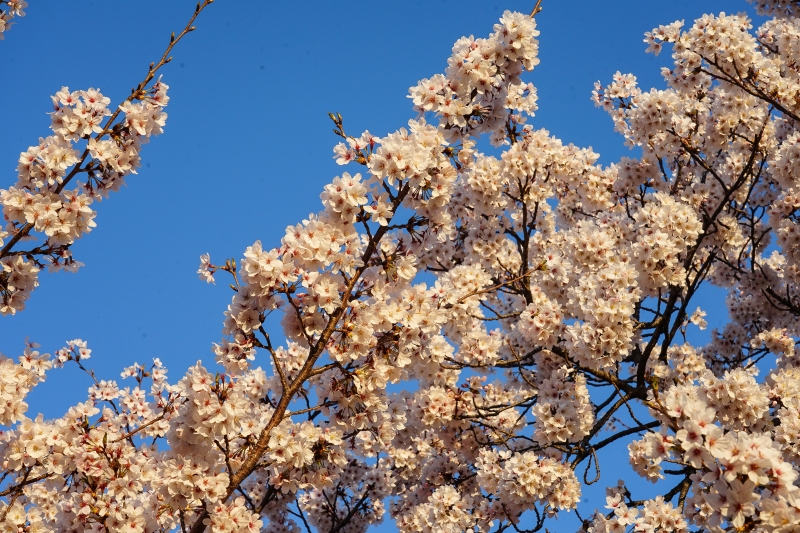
x=247 y=146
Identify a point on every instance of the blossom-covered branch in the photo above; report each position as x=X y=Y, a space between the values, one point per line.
x=91 y=141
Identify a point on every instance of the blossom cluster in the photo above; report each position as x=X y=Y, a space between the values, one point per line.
x=741 y=467
x=8 y=10
x=40 y=202
x=481 y=88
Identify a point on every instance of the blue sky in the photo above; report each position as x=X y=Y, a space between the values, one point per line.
x=247 y=146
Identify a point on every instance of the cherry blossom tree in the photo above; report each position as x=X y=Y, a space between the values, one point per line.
x=467 y=324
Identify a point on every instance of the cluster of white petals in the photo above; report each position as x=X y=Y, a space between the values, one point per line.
x=481 y=88
x=17 y=380
x=41 y=207
x=8 y=10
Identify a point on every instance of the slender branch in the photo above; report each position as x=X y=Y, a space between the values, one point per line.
x=537 y=8
x=25 y=481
